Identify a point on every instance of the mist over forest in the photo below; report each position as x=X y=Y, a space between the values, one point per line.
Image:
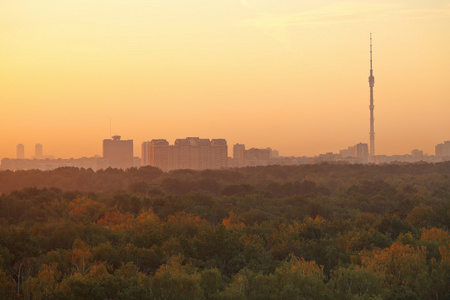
x=326 y=231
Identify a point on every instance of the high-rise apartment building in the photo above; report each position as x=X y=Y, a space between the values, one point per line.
x=274 y=153
x=144 y=154
x=158 y=153
x=189 y=153
x=443 y=150
x=218 y=154
x=181 y=154
x=20 y=151
x=417 y=155
x=38 y=151
x=358 y=153
x=238 y=154
x=349 y=152
x=362 y=152
x=237 y=148
x=204 y=153
x=256 y=157
x=119 y=153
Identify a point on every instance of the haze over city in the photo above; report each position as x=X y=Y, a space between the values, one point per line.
x=291 y=75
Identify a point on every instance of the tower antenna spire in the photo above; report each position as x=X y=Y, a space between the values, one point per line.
x=371 y=51
x=371 y=107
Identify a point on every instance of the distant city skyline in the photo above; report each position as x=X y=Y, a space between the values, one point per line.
x=287 y=74
x=197 y=153
x=115 y=146
x=21 y=150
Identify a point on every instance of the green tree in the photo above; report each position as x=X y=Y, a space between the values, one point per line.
x=176 y=281
x=211 y=282
x=356 y=282
x=7 y=286
x=300 y=279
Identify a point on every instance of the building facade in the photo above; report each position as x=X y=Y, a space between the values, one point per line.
x=119 y=153
x=189 y=153
x=38 y=151
x=238 y=155
x=255 y=157
x=443 y=150
x=362 y=152
x=20 y=151
x=358 y=153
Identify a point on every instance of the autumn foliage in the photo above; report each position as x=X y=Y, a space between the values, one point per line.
x=307 y=232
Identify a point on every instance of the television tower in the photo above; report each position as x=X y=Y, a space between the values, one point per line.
x=371 y=84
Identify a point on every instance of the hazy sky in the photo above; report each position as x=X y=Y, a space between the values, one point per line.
x=286 y=74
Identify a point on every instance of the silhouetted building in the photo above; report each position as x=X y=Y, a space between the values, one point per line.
x=238 y=155
x=256 y=157
x=20 y=151
x=189 y=153
x=350 y=152
x=358 y=153
x=157 y=152
x=94 y=163
x=362 y=152
x=443 y=150
x=119 y=153
x=218 y=154
x=274 y=153
x=144 y=153
x=237 y=148
x=417 y=155
x=204 y=154
x=38 y=151
x=327 y=157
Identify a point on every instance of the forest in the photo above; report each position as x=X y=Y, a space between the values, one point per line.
x=326 y=231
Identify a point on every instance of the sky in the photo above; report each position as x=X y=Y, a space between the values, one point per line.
x=286 y=74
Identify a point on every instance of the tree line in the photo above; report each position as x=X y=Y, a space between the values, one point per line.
x=305 y=232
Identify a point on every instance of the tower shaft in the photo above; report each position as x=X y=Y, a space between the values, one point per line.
x=371 y=106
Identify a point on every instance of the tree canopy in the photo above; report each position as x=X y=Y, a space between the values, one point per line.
x=276 y=232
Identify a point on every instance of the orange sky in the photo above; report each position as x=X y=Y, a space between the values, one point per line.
x=291 y=75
